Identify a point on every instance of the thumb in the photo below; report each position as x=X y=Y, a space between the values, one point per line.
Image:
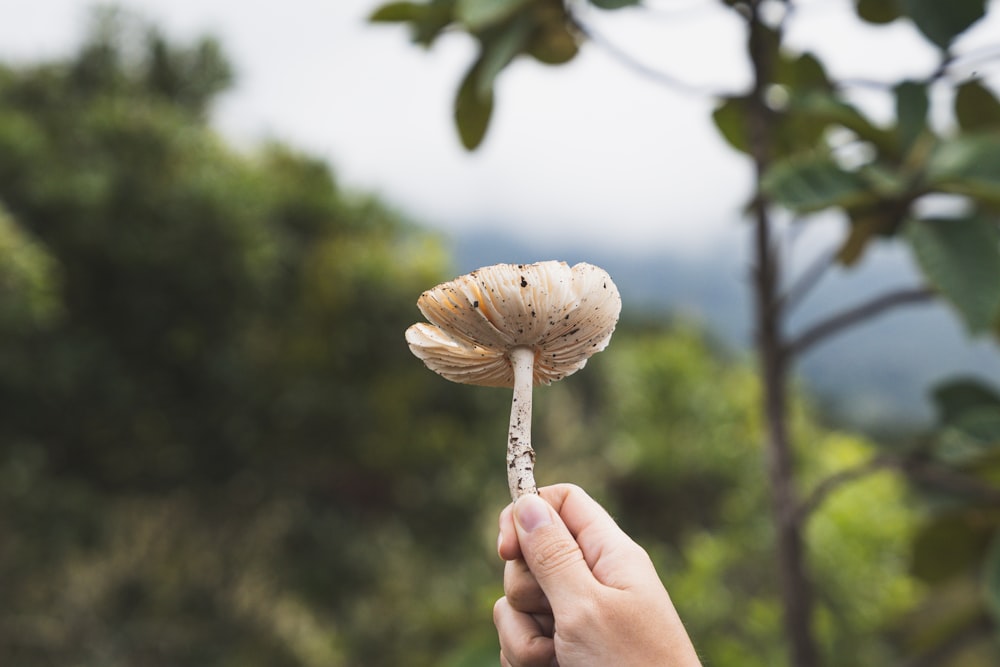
x=550 y=552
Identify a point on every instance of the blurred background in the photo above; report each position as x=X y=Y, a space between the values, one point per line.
x=216 y=449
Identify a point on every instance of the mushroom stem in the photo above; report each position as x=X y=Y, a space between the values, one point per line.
x=520 y=455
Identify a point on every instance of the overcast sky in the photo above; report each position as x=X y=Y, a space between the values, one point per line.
x=591 y=152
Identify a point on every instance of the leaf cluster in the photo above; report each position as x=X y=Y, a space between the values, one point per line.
x=955 y=550
x=885 y=178
x=504 y=29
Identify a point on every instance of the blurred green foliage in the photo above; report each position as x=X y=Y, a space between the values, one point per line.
x=688 y=482
x=217 y=450
x=215 y=447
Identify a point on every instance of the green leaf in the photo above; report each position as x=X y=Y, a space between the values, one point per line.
x=969 y=418
x=479 y=14
x=863 y=229
x=499 y=50
x=613 y=4
x=474 y=102
x=981 y=425
x=552 y=42
x=961 y=258
x=956 y=397
x=398 y=12
x=426 y=20
x=801 y=72
x=827 y=107
x=731 y=119
x=813 y=183
x=969 y=165
x=796 y=132
x=941 y=21
x=949 y=546
x=878 y=11
x=810 y=111
x=976 y=107
x=473 y=109
x=912 y=105
x=991 y=577
x=881 y=217
x=553 y=46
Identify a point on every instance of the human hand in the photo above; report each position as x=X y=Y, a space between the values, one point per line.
x=579 y=592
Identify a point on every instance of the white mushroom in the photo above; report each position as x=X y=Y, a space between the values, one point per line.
x=516 y=325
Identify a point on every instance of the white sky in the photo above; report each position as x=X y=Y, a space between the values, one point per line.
x=590 y=152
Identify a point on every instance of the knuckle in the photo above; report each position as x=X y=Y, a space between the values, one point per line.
x=522 y=595
x=522 y=590
x=555 y=555
x=537 y=652
x=499 y=607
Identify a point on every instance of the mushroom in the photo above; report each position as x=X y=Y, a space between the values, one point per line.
x=516 y=325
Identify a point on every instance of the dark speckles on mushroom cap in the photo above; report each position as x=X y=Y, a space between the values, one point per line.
x=565 y=314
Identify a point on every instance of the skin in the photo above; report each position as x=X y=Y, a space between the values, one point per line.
x=579 y=592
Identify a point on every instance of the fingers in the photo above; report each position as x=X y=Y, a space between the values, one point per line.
x=507 y=544
x=583 y=516
x=613 y=557
x=522 y=640
x=551 y=553
x=524 y=595
x=567 y=558
x=522 y=589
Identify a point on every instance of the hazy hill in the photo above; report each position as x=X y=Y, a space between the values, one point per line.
x=875 y=376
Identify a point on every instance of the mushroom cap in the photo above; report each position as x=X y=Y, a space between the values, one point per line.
x=564 y=314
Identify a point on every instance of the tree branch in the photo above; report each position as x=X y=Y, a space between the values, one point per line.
x=974 y=61
x=630 y=62
x=795 y=586
x=832 y=483
x=914 y=468
x=843 y=320
x=945 y=479
x=981 y=627
x=808 y=280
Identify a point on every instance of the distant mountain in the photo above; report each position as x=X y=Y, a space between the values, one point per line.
x=875 y=377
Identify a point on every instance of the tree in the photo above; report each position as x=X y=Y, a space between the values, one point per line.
x=814 y=150
x=215 y=448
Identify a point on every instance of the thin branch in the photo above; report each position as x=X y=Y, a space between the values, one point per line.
x=835 y=323
x=857 y=82
x=974 y=59
x=949 y=67
x=983 y=53
x=945 y=479
x=981 y=627
x=631 y=62
x=795 y=586
x=916 y=469
x=671 y=10
x=832 y=483
x=808 y=280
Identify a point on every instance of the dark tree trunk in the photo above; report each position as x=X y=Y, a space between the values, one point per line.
x=796 y=589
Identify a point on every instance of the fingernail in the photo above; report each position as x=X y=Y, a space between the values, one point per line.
x=499 y=543
x=531 y=512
